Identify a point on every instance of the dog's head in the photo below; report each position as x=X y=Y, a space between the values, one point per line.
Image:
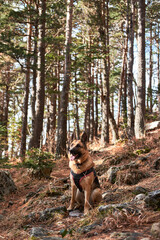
x=78 y=149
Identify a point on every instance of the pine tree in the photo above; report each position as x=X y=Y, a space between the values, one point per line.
x=62 y=118
x=140 y=105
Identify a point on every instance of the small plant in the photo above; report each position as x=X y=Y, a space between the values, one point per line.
x=142 y=151
x=64 y=232
x=36 y=157
x=40 y=162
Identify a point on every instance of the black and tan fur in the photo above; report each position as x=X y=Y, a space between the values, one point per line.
x=80 y=161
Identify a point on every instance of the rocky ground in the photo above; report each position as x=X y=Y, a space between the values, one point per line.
x=129 y=174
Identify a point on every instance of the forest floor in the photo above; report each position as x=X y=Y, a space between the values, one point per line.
x=21 y=211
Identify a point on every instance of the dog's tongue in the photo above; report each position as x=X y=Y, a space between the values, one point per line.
x=72 y=157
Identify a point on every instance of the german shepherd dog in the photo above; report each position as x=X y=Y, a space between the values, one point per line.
x=85 y=187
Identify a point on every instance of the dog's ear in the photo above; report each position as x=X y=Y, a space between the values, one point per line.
x=84 y=137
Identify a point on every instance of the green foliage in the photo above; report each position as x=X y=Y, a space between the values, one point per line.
x=33 y=238
x=64 y=232
x=38 y=159
x=142 y=151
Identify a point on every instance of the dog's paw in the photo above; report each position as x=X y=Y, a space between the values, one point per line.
x=70 y=208
x=86 y=211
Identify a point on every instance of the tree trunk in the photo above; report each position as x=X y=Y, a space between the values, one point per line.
x=87 y=115
x=87 y=124
x=158 y=72
x=62 y=120
x=51 y=129
x=124 y=96
x=76 y=108
x=140 y=105
x=92 y=106
x=122 y=79
x=26 y=92
x=130 y=119
x=6 y=109
x=105 y=108
x=33 y=94
x=96 y=103
x=115 y=135
x=150 y=71
x=40 y=98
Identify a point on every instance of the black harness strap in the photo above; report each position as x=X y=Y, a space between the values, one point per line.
x=77 y=177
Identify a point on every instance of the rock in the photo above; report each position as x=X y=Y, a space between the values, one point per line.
x=64 y=198
x=7 y=185
x=31 y=216
x=125 y=235
x=111 y=174
x=75 y=213
x=140 y=197
x=145 y=238
x=46 y=214
x=155 y=230
x=53 y=193
x=156 y=164
x=153 y=200
x=120 y=175
x=130 y=177
x=38 y=232
x=132 y=164
x=152 y=125
x=60 y=209
x=88 y=228
x=142 y=158
x=1 y=217
x=49 y=212
x=42 y=234
x=139 y=190
x=130 y=208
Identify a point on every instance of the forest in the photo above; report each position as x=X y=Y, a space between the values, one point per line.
x=87 y=70
x=76 y=65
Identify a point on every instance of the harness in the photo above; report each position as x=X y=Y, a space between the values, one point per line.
x=78 y=178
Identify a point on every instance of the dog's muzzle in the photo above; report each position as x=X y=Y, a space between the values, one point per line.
x=73 y=155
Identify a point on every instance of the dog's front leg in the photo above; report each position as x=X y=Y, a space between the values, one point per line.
x=87 y=205
x=73 y=196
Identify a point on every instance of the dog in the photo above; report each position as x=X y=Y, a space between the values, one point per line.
x=85 y=187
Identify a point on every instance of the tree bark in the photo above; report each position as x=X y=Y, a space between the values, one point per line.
x=150 y=71
x=122 y=79
x=6 y=108
x=40 y=97
x=26 y=92
x=33 y=93
x=62 y=120
x=52 y=111
x=115 y=135
x=76 y=108
x=130 y=119
x=158 y=72
x=140 y=105
x=106 y=95
x=96 y=103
